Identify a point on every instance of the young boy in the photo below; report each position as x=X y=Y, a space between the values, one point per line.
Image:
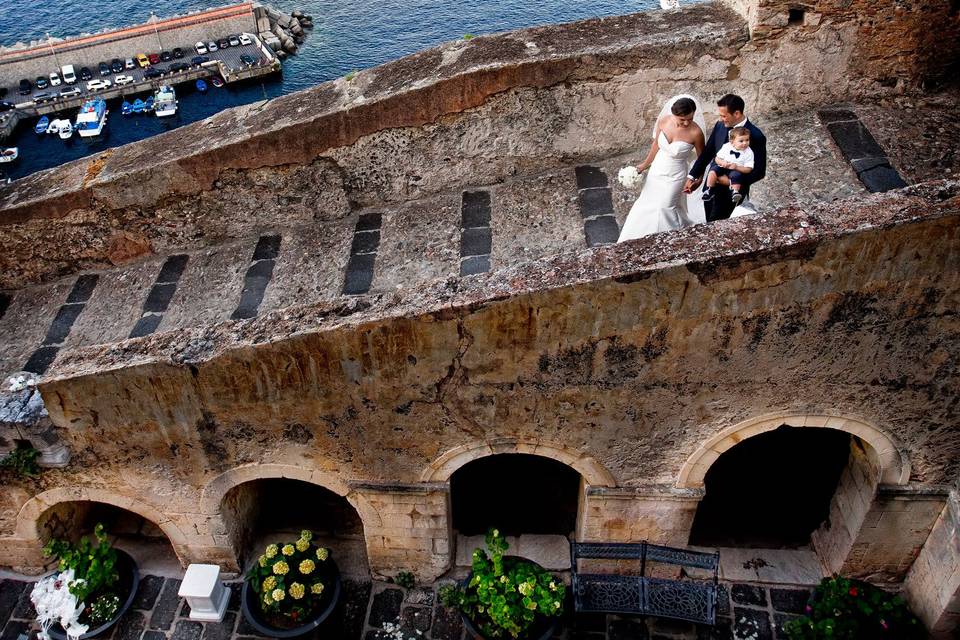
x=734 y=160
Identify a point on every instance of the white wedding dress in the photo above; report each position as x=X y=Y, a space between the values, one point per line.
x=662 y=205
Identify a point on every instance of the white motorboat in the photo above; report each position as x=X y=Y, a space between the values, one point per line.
x=65 y=130
x=92 y=118
x=9 y=154
x=54 y=126
x=165 y=102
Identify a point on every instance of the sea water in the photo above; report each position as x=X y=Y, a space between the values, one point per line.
x=347 y=36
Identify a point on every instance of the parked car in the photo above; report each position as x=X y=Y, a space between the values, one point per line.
x=247 y=59
x=69 y=75
x=116 y=65
x=199 y=60
x=223 y=43
x=234 y=41
x=7 y=106
x=245 y=39
x=129 y=63
x=85 y=73
x=69 y=92
x=154 y=58
x=122 y=80
x=177 y=53
x=42 y=82
x=143 y=60
x=54 y=79
x=40 y=98
x=3 y=92
x=166 y=56
x=25 y=87
x=177 y=67
x=212 y=46
x=104 y=69
x=152 y=72
x=201 y=48
x=98 y=85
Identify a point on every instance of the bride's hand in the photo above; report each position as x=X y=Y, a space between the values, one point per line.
x=642 y=167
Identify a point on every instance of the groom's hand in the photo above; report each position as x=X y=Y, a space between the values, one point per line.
x=690 y=185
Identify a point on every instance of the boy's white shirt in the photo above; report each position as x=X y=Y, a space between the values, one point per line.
x=727 y=153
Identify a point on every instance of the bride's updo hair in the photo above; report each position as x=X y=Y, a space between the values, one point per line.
x=683 y=107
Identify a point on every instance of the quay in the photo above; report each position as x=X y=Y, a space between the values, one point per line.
x=156 y=35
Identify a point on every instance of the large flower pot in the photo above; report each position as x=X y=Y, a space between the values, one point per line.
x=129 y=581
x=250 y=604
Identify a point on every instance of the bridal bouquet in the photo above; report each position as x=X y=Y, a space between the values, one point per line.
x=629 y=176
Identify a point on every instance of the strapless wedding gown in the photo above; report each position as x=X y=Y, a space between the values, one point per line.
x=662 y=205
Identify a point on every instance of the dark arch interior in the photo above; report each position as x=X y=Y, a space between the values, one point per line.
x=517 y=494
x=127 y=530
x=773 y=490
x=276 y=508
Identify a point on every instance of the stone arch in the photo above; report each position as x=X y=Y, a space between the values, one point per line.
x=893 y=463
x=29 y=517
x=443 y=467
x=216 y=489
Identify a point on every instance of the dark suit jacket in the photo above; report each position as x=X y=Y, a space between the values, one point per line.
x=718 y=138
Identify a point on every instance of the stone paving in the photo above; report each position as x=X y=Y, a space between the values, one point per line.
x=381 y=611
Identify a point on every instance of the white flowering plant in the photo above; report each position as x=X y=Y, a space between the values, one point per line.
x=505 y=596
x=289 y=580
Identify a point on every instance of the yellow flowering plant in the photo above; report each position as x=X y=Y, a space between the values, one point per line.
x=289 y=580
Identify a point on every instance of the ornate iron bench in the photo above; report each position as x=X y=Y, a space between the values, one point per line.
x=687 y=599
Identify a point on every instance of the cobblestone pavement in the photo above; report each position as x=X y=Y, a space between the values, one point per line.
x=380 y=611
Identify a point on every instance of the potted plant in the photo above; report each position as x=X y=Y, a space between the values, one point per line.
x=95 y=584
x=846 y=609
x=291 y=589
x=506 y=596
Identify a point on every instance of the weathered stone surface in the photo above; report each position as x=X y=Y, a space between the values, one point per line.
x=751 y=623
x=166 y=607
x=789 y=600
x=749 y=594
x=385 y=607
x=147 y=592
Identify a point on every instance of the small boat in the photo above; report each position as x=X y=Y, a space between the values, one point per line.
x=52 y=127
x=9 y=154
x=65 y=130
x=42 y=124
x=92 y=118
x=148 y=104
x=126 y=108
x=216 y=81
x=165 y=103
x=137 y=106
x=201 y=86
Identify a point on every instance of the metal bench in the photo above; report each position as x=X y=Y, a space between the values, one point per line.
x=687 y=599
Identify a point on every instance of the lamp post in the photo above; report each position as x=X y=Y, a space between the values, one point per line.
x=53 y=51
x=153 y=19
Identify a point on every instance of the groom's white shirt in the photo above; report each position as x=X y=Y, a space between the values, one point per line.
x=739 y=124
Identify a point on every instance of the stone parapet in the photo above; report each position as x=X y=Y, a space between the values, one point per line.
x=933 y=584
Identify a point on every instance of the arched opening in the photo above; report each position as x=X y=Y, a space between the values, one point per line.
x=522 y=495
x=142 y=539
x=789 y=488
x=268 y=510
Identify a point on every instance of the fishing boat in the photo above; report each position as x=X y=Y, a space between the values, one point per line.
x=148 y=104
x=126 y=108
x=92 y=118
x=216 y=81
x=201 y=86
x=137 y=106
x=165 y=102
x=65 y=130
x=42 y=124
x=52 y=127
x=9 y=154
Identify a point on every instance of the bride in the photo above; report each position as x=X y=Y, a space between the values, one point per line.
x=677 y=140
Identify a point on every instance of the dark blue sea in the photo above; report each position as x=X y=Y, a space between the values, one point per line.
x=348 y=35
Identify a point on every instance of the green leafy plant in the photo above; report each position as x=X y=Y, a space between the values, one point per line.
x=22 y=461
x=95 y=575
x=845 y=609
x=405 y=579
x=289 y=579
x=505 y=596
x=350 y=76
x=468 y=36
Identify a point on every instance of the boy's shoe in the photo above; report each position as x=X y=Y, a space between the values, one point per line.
x=707 y=195
x=736 y=198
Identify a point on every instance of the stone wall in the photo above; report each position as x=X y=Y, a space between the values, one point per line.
x=466 y=113
x=933 y=584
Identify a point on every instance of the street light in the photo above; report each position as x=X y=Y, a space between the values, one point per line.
x=52 y=50
x=153 y=19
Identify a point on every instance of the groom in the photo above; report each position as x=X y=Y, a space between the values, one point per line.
x=730 y=111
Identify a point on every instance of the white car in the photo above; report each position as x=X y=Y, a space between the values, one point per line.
x=212 y=46
x=245 y=39
x=129 y=64
x=122 y=80
x=69 y=92
x=201 y=48
x=54 y=79
x=98 y=84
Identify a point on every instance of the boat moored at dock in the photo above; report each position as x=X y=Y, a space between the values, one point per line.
x=42 y=124
x=64 y=129
x=9 y=154
x=92 y=118
x=165 y=102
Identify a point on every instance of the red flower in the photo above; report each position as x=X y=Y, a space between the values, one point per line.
x=853 y=591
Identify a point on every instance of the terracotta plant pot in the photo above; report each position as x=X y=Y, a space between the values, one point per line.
x=250 y=603
x=129 y=581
